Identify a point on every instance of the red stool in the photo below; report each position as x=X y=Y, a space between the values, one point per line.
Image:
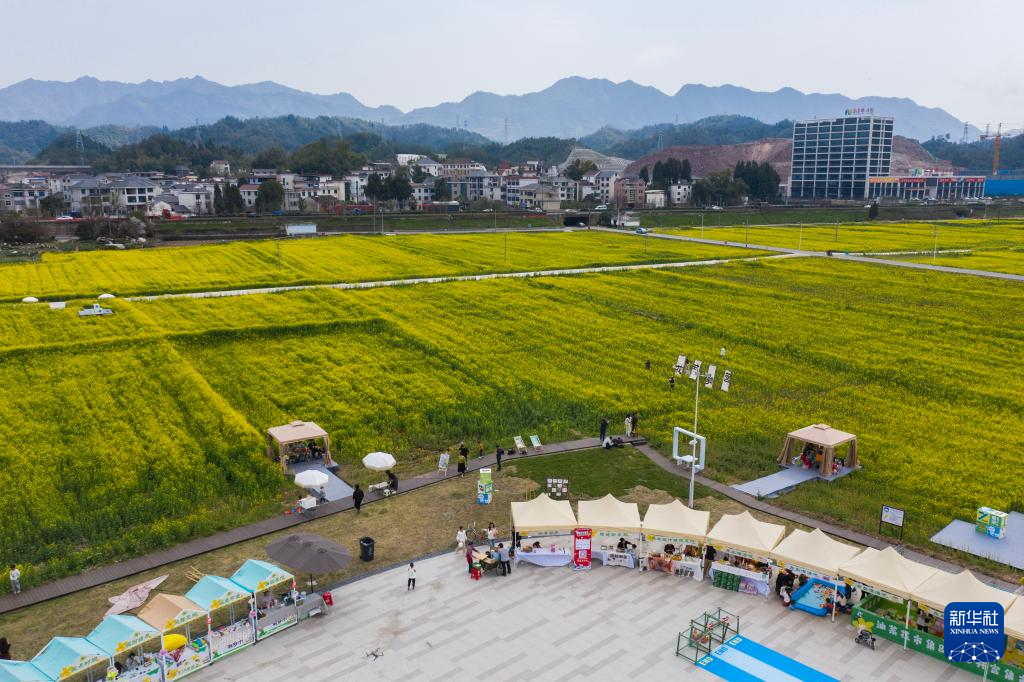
x=328 y=599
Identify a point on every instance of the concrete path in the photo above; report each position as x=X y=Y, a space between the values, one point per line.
x=454 y=278
x=543 y=624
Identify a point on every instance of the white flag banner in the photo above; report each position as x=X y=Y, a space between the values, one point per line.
x=680 y=365
x=709 y=380
x=695 y=370
x=726 y=380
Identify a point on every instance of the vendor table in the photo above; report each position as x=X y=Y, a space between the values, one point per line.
x=751 y=582
x=545 y=557
x=610 y=557
x=150 y=672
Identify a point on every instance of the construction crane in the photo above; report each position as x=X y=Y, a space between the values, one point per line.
x=997 y=144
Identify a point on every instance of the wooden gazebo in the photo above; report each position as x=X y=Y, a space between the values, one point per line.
x=828 y=439
x=279 y=437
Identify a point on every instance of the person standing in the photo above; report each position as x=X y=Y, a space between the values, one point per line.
x=647 y=365
x=604 y=428
x=410 y=584
x=463 y=450
x=498 y=454
x=462 y=465
x=672 y=383
x=15 y=576
x=5 y=649
x=357 y=497
x=492 y=534
x=636 y=423
x=469 y=557
x=629 y=425
x=392 y=481
x=461 y=538
x=506 y=565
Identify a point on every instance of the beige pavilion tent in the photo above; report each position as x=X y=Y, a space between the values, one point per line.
x=1013 y=623
x=296 y=432
x=542 y=514
x=887 y=570
x=814 y=551
x=825 y=436
x=942 y=588
x=609 y=514
x=676 y=520
x=168 y=611
x=745 y=533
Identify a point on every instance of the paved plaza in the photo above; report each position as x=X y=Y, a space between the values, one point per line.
x=546 y=624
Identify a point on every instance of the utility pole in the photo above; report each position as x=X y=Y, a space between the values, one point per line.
x=506 y=132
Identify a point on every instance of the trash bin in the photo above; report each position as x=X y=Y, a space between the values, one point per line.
x=366 y=549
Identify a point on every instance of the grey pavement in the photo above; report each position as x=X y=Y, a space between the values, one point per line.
x=608 y=623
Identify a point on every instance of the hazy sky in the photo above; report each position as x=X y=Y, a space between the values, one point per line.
x=965 y=57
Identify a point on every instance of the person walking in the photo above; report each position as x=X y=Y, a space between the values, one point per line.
x=463 y=450
x=506 y=565
x=492 y=534
x=321 y=496
x=5 y=649
x=15 y=576
x=392 y=481
x=410 y=584
x=357 y=497
x=461 y=466
x=460 y=539
x=498 y=454
x=672 y=383
x=604 y=428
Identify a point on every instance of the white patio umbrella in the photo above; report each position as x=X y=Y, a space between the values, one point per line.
x=30 y=299
x=310 y=478
x=379 y=461
x=104 y=297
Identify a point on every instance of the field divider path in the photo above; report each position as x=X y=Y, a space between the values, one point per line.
x=459 y=278
x=103 y=574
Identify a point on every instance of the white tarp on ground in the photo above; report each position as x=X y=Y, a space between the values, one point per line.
x=814 y=551
x=1013 y=623
x=745 y=533
x=609 y=513
x=676 y=520
x=887 y=570
x=543 y=514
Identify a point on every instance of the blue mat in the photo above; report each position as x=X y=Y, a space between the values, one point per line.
x=809 y=600
x=1009 y=551
x=744 y=660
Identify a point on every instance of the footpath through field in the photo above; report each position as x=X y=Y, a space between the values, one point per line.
x=104 y=574
x=460 y=278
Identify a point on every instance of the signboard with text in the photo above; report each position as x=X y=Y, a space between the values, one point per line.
x=581 y=546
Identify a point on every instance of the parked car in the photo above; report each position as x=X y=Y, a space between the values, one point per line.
x=94 y=309
x=716 y=208
x=642 y=230
x=63 y=218
x=601 y=207
x=488 y=210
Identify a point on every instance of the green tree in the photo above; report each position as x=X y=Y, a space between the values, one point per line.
x=761 y=179
x=374 y=187
x=578 y=168
x=644 y=175
x=233 y=201
x=270 y=196
x=52 y=205
x=719 y=188
x=218 y=200
x=397 y=187
x=334 y=156
x=418 y=174
x=441 y=190
x=274 y=157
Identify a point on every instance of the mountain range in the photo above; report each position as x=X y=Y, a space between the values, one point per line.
x=570 y=108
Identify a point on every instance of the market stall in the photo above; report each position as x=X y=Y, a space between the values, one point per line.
x=262 y=580
x=889 y=579
x=672 y=538
x=816 y=446
x=616 y=527
x=742 y=547
x=21 y=671
x=1013 y=625
x=182 y=652
x=543 y=528
x=299 y=441
x=931 y=598
x=72 y=658
x=125 y=639
x=231 y=614
x=819 y=557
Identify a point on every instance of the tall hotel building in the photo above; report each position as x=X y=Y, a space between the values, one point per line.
x=834 y=157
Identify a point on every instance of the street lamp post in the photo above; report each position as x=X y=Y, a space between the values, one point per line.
x=699 y=377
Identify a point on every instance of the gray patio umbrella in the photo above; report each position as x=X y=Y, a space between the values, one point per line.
x=308 y=553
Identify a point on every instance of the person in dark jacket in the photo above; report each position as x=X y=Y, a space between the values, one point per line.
x=463 y=450
x=636 y=424
x=499 y=452
x=5 y=649
x=461 y=468
x=357 y=497
x=392 y=481
x=604 y=428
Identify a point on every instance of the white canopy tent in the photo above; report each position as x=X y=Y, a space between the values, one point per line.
x=746 y=534
x=610 y=515
x=543 y=515
x=1013 y=626
x=676 y=520
x=942 y=588
x=296 y=432
x=814 y=552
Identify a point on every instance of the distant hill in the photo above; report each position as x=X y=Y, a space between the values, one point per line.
x=569 y=108
x=706 y=159
x=632 y=144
